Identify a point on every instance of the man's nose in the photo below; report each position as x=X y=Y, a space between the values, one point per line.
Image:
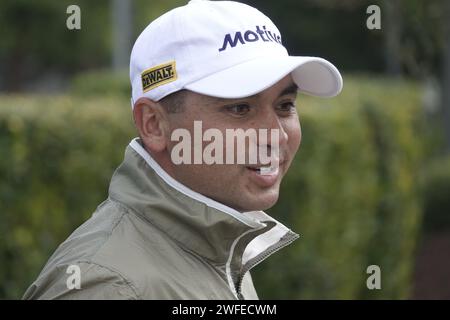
x=271 y=121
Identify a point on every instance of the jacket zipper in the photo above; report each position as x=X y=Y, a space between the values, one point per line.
x=263 y=256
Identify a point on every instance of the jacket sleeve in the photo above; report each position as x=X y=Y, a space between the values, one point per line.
x=97 y=282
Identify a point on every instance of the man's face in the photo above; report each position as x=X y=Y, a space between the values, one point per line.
x=240 y=186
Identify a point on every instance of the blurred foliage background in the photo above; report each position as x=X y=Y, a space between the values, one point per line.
x=370 y=185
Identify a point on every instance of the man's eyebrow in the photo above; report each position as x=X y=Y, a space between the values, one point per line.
x=292 y=89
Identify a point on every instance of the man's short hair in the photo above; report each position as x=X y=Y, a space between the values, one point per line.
x=174 y=102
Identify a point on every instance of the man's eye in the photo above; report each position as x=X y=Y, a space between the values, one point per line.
x=287 y=107
x=239 y=109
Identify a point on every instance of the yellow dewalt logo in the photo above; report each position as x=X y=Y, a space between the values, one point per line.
x=156 y=76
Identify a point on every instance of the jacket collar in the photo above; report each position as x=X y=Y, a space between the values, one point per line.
x=199 y=224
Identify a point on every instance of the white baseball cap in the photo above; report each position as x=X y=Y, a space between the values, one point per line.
x=222 y=49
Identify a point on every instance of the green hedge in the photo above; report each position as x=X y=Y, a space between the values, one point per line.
x=101 y=82
x=351 y=193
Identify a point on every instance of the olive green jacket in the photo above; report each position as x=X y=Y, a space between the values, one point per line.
x=154 y=238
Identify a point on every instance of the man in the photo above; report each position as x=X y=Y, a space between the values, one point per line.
x=193 y=229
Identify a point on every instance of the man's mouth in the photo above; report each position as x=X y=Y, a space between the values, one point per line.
x=269 y=169
x=265 y=170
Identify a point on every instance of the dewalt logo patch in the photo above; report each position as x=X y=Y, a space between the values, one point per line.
x=159 y=75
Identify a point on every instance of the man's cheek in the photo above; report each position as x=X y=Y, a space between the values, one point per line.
x=295 y=138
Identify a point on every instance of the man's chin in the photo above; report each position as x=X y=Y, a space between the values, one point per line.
x=259 y=203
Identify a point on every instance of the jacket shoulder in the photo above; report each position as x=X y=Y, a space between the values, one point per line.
x=81 y=281
x=75 y=260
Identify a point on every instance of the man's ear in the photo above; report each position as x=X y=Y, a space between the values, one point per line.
x=151 y=121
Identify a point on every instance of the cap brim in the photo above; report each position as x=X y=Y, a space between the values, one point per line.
x=313 y=76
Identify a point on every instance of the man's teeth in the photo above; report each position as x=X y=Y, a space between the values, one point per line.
x=268 y=170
